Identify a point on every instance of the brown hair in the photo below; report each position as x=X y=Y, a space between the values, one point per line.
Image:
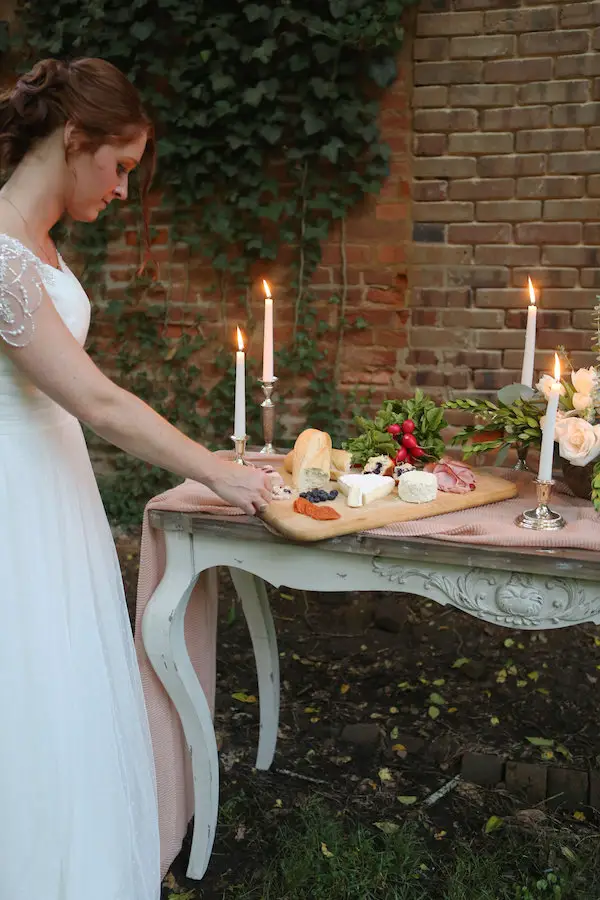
x=101 y=103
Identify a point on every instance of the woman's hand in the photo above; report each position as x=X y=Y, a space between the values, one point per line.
x=243 y=486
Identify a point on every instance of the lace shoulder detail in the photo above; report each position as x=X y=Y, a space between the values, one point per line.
x=21 y=291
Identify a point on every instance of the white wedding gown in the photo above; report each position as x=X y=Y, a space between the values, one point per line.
x=78 y=811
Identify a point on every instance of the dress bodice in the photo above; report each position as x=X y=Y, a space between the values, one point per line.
x=22 y=404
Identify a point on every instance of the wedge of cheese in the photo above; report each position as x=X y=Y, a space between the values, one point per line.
x=363 y=489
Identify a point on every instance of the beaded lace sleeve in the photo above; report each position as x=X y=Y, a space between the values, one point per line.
x=21 y=292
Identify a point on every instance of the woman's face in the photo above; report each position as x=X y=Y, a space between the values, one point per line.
x=102 y=176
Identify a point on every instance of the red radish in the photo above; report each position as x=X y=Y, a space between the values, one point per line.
x=417 y=452
x=409 y=441
x=401 y=455
x=394 y=429
x=408 y=426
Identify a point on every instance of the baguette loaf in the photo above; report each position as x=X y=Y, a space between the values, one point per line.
x=312 y=460
x=341 y=461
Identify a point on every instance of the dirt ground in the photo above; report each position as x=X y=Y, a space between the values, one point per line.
x=385 y=697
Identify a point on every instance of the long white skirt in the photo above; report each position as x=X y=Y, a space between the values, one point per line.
x=78 y=810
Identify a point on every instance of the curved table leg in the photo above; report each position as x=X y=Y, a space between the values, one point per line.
x=255 y=603
x=164 y=642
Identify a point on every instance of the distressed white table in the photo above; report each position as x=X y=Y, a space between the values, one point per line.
x=519 y=588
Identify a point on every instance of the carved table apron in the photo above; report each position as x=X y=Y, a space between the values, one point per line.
x=516 y=587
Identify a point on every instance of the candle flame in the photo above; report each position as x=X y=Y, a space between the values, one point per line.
x=267 y=288
x=556 y=367
x=531 y=292
x=240 y=340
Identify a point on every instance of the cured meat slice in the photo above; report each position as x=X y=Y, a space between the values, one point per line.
x=452 y=476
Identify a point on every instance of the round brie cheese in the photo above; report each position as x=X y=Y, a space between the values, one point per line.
x=417 y=487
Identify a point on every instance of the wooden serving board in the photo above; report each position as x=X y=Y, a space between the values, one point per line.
x=280 y=514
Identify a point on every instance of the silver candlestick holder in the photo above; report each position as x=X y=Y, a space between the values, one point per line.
x=268 y=415
x=240 y=449
x=542 y=518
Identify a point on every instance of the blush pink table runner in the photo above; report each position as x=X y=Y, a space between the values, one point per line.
x=493 y=525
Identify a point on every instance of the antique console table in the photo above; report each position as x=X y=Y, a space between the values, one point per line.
x=521 y=588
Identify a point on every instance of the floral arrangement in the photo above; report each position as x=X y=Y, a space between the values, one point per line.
x=577 y=430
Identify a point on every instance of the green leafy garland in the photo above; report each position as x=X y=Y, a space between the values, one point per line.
x=267 y=118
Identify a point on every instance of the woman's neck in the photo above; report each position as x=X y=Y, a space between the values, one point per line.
x=36 y=189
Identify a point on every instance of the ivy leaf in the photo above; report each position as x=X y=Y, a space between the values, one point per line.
x=142 y=30
x=256 y=11
x=338 y=8
x=312 y=123
x=384 y=71
x=253 y=95
x=331 y=150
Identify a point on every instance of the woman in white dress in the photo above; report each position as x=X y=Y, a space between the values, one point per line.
x=78 y=814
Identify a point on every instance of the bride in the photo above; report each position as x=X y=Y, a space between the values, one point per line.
x=77 y=791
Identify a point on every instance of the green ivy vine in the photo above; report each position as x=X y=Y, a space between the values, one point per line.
x=268 y=136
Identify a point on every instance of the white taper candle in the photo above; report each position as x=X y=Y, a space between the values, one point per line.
x=547 y=451
x=529 y=353
x=267 y=371
x=239 y=416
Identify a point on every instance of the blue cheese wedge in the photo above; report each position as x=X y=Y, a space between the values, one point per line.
x=363 y=489
x=417 y=487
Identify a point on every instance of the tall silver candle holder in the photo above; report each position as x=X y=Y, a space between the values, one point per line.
x=268 y=414
x=542 y=518
x=240 y=449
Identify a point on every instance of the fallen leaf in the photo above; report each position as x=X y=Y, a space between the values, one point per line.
x=596 y=642
x=494 y=720
x=452 y=709
x=285 y=596
x=400 y=750
x=433 y=712
x=312 y=709
x=344 y=689
x=512 y=670
x=406 y=801
x=440 y=835
x=325 y=850
x=564 y=752
x=541 y=741
x=394 y=733
x=501 y=676
x=243 y=697
x=385 y=775
x=547 y=754
x=394 y=710
x=533 y=675
x=387 y=827
x=314 y=720
x=509 y=642
x=461 y=661
x=493 y=824
x=278 y=804
x=439 y=682
x=568 y=854
x=241 y=832
x=435 y=698
x=521 y=683
x=579 y=816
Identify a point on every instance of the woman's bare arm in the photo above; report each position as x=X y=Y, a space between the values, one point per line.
x=55 y=362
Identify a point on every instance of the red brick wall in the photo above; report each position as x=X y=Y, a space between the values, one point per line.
x=494 y=127
x=506 y=119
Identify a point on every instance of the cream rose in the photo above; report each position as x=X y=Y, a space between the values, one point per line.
x=583 y=381
x=544 y=385
x=578 y=441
